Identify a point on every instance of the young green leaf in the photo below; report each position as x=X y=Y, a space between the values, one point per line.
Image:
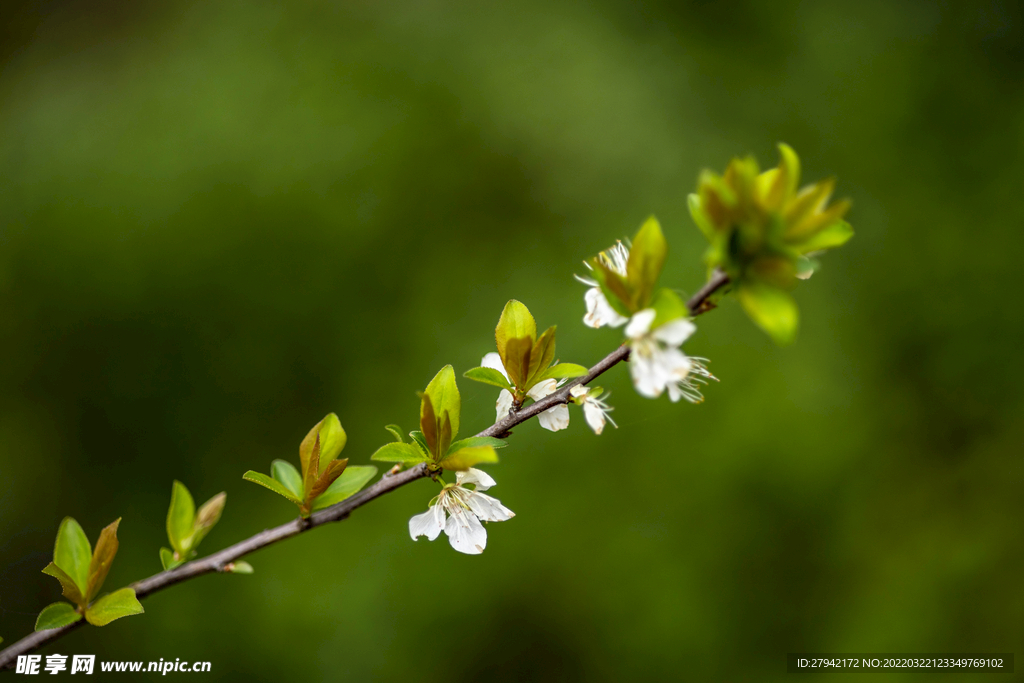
x=646 y=259
x=772 y=309
x=312 y=471
x=56 y=615
x=396 y=431
x=829 y=237
x=70 y=589
x=180 y=516
x=464 y=458
x=428 y=423
x=488 y=376
x=444 y=397
x=207 y=517
x=515 y=322
x=272 y=484
x=349 y=483
x=518 y=352
x=541 y=356
x=807 y=214
x=400 y=452
x=563 y=371
x=332 y=441
x=668 y=306
x=102 y=558
x=167 y=559
x=421 y=443
x=239 y=567
x=789 y=168
x=333 y=471
x=474 y=441
x=120 y=603
x=72 y=553
x=285 y=472
x=699 y=217
x=444 y=440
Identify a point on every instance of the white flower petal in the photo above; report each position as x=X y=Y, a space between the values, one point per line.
x=673 y=363
x=578 y=390
x=429 y=524
x=493 y=361
x=466 y=533
x=675 y=332
x=503 y=405
x=542 y=389
x=599 y=311
x=640 y=323
x=594 y=416
x=481 y=479
x=488 y=509
x=646 y=378
x=555 y=419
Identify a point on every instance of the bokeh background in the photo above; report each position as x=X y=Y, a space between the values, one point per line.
x=220 y=221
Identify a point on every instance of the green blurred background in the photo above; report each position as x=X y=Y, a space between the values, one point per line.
x=220 y=221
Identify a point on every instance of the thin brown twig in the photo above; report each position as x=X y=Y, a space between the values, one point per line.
x=219 y=560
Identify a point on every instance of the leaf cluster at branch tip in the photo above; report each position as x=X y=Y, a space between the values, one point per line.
x=185 y=527
x=528 y=359
x=324 y=479
x=434 y=443
x=82 y=570
x=765 y=234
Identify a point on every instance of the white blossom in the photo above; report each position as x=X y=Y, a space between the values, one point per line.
x=553 y=419
x=657 y=364
x=599 y=311
x=458 y=511
x=595 y=410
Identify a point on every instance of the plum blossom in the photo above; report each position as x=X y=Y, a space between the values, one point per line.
x=599 y=311
x=553 y=419
x=458 y=511
x=657 y=364
x=595 y=410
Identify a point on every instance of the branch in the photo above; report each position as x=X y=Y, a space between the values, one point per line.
x=219 y=561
